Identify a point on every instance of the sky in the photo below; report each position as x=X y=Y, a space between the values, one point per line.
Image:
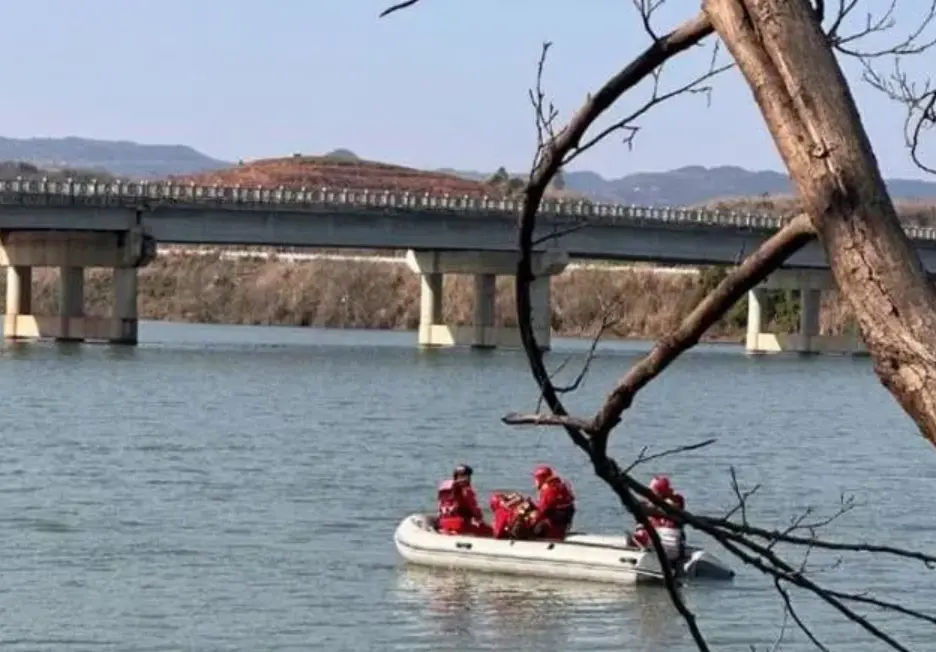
x=442 y=84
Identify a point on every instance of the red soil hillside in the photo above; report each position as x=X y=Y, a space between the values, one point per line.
x=322 y=171
x=356 y=174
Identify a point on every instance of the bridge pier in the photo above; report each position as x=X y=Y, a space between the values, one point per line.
x=808 y=339
x=72 y=253
x=483 y=333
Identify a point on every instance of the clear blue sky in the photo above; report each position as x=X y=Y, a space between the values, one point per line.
x=441 y=84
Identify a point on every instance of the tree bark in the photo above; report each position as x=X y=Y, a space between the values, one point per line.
x=807 y=104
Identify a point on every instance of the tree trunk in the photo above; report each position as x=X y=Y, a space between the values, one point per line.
x=787 y=61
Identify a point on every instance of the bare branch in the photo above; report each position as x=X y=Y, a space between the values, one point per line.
x=556 y=235
x=397 y=7
x=882 y=24
x=756 y=267
x=918 y=99
x=545 y=115
x=550 y=159
x=642 y=458
x=626 y=124
x=606 y=320
x=846 y=7
x=637 y=510
x=736 y=538
x=646 y=8
x=742 y=497
x=788 y=606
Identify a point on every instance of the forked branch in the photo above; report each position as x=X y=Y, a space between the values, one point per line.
x=919 y=101
x=755 y=268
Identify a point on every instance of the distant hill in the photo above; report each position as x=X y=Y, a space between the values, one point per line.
x=684 y=186
x=122 y=158
x=340 y=169
x=696 y=184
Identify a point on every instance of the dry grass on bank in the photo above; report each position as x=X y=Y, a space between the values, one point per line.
x=344 y=294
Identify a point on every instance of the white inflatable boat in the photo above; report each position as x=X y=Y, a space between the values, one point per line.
x=596 y=558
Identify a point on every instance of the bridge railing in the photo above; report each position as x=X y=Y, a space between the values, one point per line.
x=31 y=192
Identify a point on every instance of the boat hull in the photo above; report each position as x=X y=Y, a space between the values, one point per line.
x=595 y=558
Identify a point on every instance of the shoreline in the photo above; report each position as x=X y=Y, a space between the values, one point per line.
x=348 y=294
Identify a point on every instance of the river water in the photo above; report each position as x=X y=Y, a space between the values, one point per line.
x=236 y=488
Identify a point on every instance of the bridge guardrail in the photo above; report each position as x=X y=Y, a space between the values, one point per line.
x=124 y=194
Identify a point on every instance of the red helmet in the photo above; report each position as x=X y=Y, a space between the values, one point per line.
x=660 y=485
x=495 y=501
x=541 y=474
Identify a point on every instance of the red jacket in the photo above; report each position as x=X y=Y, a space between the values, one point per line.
x=459 y=499
x=662 y=520
x=469 y=501
x=555 y=499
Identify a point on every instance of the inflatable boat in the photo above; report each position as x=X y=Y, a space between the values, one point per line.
x=590 y=557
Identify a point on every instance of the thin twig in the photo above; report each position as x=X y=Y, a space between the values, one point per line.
x=397 y=7
x=643 y=459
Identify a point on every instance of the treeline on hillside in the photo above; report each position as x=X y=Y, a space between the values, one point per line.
x=10 y=170
x=912 y=212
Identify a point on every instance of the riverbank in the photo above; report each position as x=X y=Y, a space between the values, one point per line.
x=350 y=294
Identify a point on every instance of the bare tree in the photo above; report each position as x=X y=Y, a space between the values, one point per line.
x=789 y=61
x=917 y=96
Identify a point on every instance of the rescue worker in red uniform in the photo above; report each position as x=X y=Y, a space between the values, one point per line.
x=461 y=476
x=555 y=503
x=515 y=516
x=661 y=486
x=458 y=510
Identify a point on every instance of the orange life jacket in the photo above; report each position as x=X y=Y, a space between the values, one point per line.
x=662 y=520
x=524 y=512
x=561 y=508
x=452 y=502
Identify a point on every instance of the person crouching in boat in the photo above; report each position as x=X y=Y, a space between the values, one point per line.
x=555 y=503
x=515 y=516
x=462 y=478
x=458 y=510
x=671 y=534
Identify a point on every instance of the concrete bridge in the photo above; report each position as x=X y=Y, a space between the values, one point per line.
x=73 y=225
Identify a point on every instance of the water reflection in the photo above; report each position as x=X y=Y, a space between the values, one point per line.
x=473 y=610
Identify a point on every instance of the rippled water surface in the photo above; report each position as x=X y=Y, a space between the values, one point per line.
x=237 y=489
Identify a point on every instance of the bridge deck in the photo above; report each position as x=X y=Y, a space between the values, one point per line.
x=381 y=219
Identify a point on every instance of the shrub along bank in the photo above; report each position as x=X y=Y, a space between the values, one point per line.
x=348 y=294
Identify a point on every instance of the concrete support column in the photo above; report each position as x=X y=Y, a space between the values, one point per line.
x=809 y=284
x=430 y=307
x=19 y=291
x=125 y=305
x=71 y=302
x=755 y=320
x=72 y=253
x=810 y=304
x=485 y=267
x=483 y=323
x=18 y=299
x=541 y=313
